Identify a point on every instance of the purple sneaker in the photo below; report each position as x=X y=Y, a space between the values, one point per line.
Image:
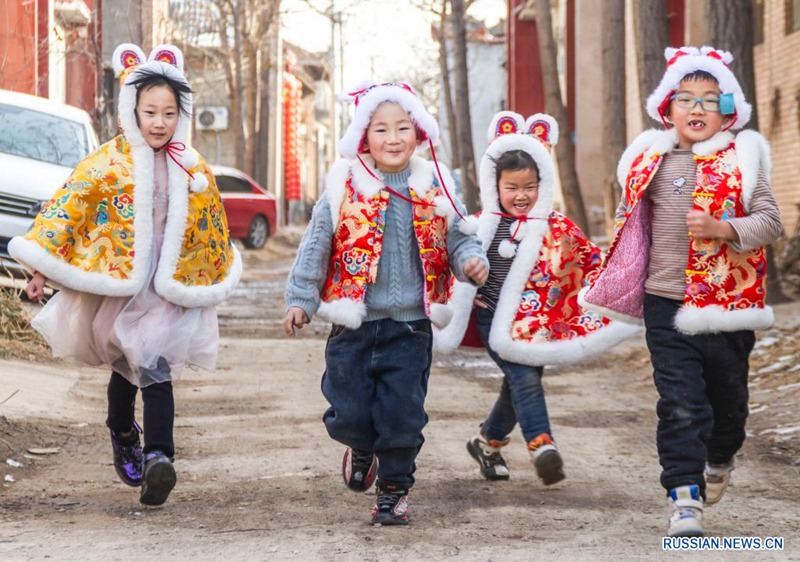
x=159 y=479
x=128 y=458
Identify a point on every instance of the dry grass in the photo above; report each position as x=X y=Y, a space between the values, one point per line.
x=18 y=340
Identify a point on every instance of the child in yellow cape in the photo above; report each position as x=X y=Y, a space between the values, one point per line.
x=137 y=241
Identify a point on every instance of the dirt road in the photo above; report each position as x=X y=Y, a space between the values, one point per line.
x=259 y=478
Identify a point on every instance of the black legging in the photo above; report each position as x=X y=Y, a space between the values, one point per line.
x=159 y=412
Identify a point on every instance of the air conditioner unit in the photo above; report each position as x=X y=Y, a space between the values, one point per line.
x=210 y=118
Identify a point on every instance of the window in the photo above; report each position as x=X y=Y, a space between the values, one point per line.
x=40 y=136
x=230 y=184
x=792 y=15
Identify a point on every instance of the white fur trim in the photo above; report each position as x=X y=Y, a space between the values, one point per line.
x=367 y=104
x=562 y=352
x=607 y=312
x=719 y=141
x=443 y=208
x=713 y=319
x=334 y=187
x=517 y=120
x=507 y=249
x=345 y=312
x=553 y=132
x=170 y=50
x=199 y=183
x=448 y=338
x=540 y=155
x=117 y=58
x=641 y=143
x=469 y=225
x=363 y=181
x=440 y=315
x=697 y=59
x=200 y=295
x=753 y=153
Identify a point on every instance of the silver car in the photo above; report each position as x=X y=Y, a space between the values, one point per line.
x=41 y=142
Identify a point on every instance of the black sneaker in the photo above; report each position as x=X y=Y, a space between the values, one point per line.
x=391 y=507
x=359 y=469
x=493 y=465
x=128 y=458
x=159 y=479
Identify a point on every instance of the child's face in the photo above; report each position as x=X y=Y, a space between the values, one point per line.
x=518 y=191
x=157 y=110
x=698 y=123
x=391 y=137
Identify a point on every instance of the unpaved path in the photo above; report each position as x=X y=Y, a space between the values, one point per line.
x=259 y=478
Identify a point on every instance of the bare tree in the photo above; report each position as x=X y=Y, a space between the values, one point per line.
x=613 y=94
x=554 y=105
x=730 y=27
x=241 y=28
x=469 y=183
x=651 y=34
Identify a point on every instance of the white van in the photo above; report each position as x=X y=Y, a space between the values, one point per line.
x=41 y=142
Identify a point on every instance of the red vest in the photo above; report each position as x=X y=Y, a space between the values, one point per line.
x=357 y=243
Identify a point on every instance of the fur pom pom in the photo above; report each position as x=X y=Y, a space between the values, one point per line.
x=189 y=158
x=469 y=225
x=440 y=315
x=444 y=208
x=199 y=183
x=507 y=249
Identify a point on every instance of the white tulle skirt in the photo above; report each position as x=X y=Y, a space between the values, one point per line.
x=129 y=334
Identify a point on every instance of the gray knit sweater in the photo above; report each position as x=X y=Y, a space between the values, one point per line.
x=398 y=289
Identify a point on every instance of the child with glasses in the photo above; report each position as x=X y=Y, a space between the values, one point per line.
x=688 y=257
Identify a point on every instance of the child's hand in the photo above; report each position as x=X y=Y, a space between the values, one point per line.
x=478 y=303
x=35 y=287
x=295 y=318
x=704 y=226
x=476 y=270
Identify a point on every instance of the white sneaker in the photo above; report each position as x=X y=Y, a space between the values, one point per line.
x=685 y=512
x=718 y=476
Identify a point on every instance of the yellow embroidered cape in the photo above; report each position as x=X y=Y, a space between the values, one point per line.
x=95 y=234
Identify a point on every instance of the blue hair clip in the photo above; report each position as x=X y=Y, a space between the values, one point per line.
x=726 y=105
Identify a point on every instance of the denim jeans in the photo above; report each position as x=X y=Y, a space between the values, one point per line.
x=702 y=386
x=158 y=406
x=521 y=396
x=376 y=380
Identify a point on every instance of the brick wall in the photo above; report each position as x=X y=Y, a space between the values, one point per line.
x=777 y=65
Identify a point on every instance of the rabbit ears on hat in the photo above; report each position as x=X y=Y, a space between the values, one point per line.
x=128 y=56
x=684 y=61
x=540 y=126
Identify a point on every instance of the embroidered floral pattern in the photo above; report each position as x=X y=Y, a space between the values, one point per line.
x=549 y=309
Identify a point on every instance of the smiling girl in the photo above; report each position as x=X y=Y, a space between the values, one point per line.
x=137 y=240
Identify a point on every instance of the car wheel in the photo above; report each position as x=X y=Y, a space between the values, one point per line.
x=257 y=233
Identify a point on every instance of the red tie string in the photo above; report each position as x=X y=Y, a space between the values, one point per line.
x=392 y=191
x=174 y=148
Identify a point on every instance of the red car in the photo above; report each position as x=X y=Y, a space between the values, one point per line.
x=250 y=207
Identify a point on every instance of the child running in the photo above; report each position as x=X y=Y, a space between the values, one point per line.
x=688 y=257
x=527 y=312
x=376 y=262
x=137 y=239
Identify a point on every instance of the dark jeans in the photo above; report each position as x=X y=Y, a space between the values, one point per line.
x=376 y=379
x=702 y=386
x=158 y=406
x=521 y=397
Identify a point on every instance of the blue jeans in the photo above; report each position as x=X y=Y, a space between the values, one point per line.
x=376 y=380
x=521 y=396
x=702 y=386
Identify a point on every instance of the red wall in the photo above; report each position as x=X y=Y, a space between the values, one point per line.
x=525 y=90
x=18 y=40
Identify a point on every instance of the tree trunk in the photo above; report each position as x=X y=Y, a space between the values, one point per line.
x=554 y=105
x=469 y=187
x=447 y=91
x=613 y=95
x=651 y=32
x=251 y=105
x=730 y=27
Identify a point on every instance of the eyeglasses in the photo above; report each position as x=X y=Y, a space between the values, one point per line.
x=687 y=101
